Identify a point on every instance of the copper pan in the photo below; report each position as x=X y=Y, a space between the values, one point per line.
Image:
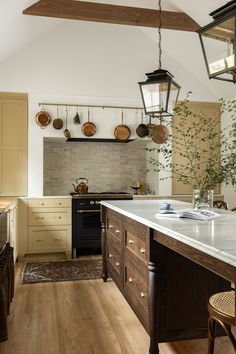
x=122 y=131
x=88 y=128
x=160 y=134
x=43 y=118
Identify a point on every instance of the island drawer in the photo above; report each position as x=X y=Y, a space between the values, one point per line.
x=135 y=244
x=113 y=241
x=114 y=225
x=49 y=216
x=136 y=286
x=49 y=202
x=114 y=259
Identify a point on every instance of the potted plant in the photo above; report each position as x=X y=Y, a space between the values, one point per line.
x=206 y=154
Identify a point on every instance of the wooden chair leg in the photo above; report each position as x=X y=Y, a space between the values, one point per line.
x=230 y=335
x=211 y=335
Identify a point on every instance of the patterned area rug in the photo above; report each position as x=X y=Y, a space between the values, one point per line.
x=42 y=272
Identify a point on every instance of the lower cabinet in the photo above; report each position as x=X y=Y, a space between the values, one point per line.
x=48 y=225
x=44 y=225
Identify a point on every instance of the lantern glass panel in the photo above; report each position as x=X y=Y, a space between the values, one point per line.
x=174 y=93
x=155 y=96
x=218 y=42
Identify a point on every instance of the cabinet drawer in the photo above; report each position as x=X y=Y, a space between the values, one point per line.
x=50 y=203
x=136 y=285
x=48 y=239
x=114 y=259
x=49 y=216
x=114 y=225
x=135 y=245
x=113 y=241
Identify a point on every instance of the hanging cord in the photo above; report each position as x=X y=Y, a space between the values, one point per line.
x=159 y=33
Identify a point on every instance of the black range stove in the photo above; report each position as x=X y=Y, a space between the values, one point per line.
x=86 y=221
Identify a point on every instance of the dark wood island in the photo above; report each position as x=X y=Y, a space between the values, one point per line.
x=163 y=268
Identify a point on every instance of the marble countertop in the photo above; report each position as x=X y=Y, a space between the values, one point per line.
x=216 y=238
x=5 y=203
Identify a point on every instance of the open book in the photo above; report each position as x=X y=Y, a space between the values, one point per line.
x=202 y=214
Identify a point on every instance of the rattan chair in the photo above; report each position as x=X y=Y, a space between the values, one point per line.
x=221 y=308
x=220 y=204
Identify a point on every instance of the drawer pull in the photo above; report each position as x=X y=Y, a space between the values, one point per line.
x=40 y=217
x=110 y=226
x=117 y=231
x=142 y=294
x=117 y=264
x=130 y=280
x=142 y=250
x=42 y=203
x=59 y=203
x=57 y=239
x=59 y=217
x=110 y=255
x=131 y=241
x=39 y=239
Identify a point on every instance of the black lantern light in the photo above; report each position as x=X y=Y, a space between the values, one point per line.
x=218 y=41
x=160 y=92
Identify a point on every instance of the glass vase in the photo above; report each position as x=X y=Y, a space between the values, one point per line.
x=202 y=198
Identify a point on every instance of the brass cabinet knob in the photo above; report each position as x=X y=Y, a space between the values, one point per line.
x=117 y=231
x=130 y=242
x=130 y=280
x=59 y=203
x=142 y=250
x=142 y=294
x=110 y=226
x=110 y=255
x=117 y=264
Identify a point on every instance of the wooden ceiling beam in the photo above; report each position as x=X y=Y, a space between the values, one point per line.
x=116 y=14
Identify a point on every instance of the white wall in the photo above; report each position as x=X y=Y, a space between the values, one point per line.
x=91 y=63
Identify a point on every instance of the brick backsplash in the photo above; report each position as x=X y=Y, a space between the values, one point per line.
x=107 y=166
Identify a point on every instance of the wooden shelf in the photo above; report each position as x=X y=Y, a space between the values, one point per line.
x=97 y=140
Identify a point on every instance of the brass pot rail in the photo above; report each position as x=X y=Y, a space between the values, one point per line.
x=87 y=105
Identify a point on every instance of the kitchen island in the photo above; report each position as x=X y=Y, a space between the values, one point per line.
x=167 y=268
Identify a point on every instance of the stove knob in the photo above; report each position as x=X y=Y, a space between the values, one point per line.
x=91 y=202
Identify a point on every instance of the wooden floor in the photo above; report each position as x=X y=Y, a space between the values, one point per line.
x=82 y=317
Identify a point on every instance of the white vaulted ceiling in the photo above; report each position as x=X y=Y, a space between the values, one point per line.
x=181 y=50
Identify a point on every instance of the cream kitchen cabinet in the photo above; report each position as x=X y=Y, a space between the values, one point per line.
x=13 y=144
x=49 y=225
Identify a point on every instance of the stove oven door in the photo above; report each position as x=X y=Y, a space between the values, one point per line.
x=86 y=228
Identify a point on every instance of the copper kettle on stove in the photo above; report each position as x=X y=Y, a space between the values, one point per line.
x=82 y=185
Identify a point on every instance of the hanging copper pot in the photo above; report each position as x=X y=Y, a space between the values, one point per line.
x=88 y=128
x=43 y=118
x=122 y=131
x=160 y=134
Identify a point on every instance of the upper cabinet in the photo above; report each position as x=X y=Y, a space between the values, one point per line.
x=13 y=144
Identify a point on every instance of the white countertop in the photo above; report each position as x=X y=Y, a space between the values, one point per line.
x=216 y=238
